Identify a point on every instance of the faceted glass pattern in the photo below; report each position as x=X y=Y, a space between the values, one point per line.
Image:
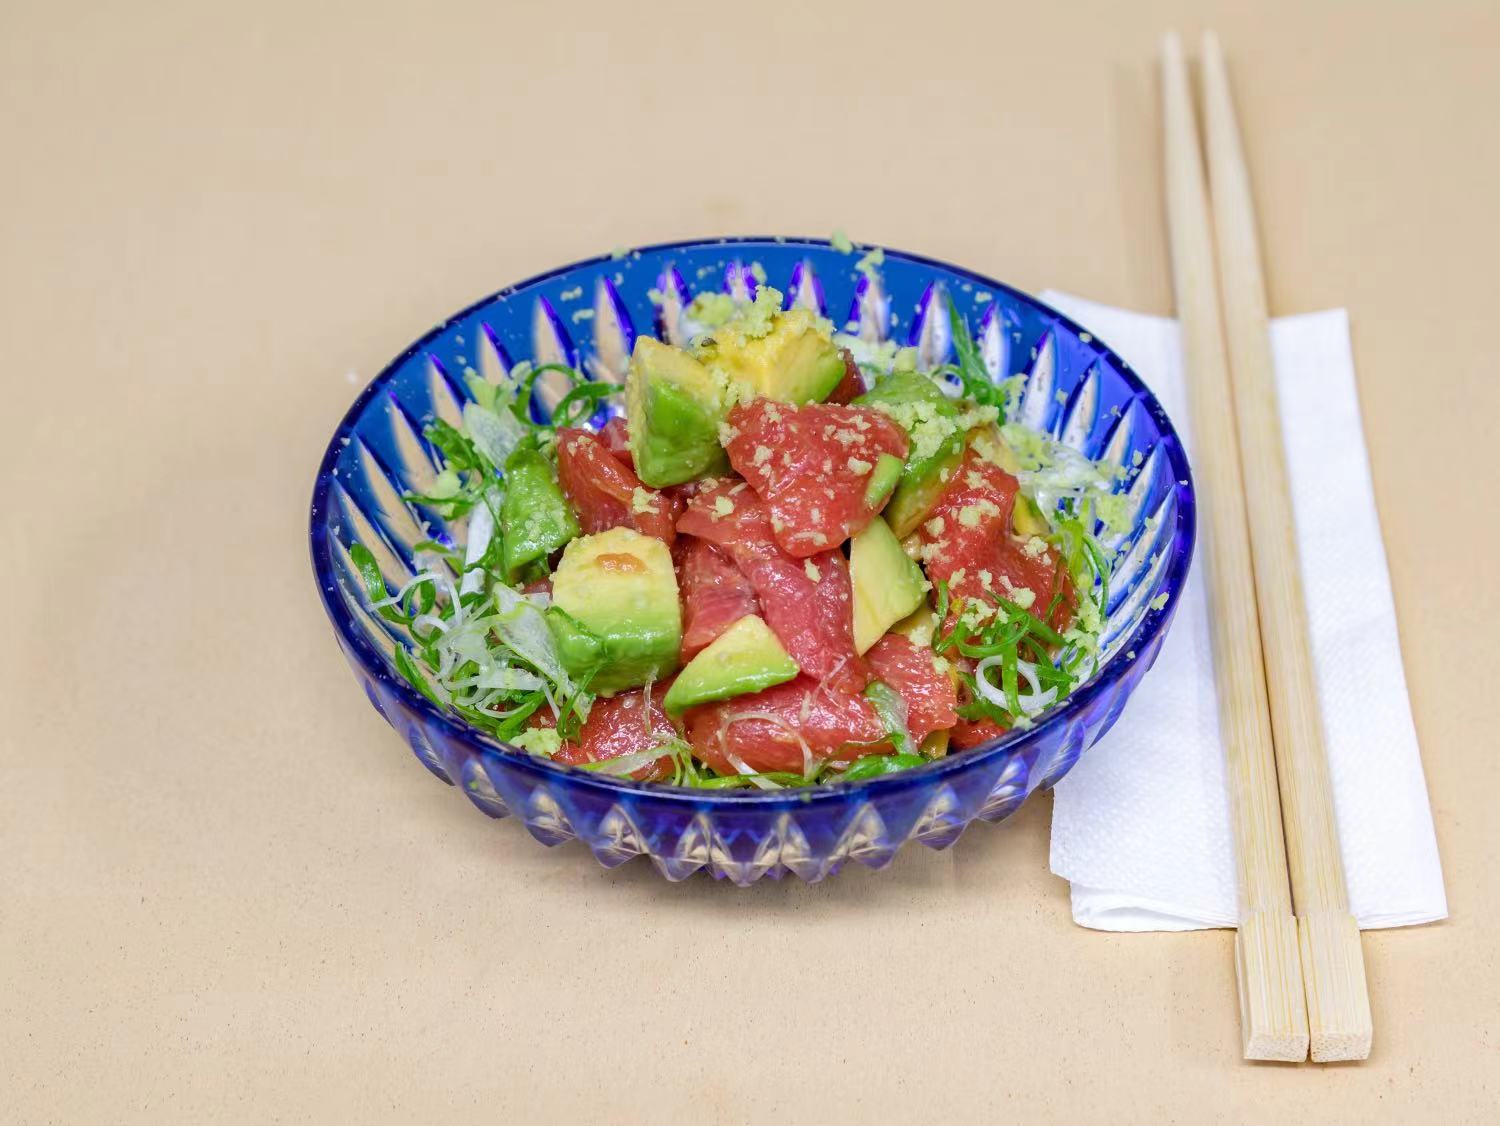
x=587 y=315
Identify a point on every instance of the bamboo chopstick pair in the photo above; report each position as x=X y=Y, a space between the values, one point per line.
x=1302 y=977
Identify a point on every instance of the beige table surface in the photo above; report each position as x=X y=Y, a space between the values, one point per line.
x=227 y=892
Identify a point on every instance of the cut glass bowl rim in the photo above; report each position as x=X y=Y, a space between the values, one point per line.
x=1153 y=621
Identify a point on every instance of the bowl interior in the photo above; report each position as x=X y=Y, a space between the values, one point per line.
x=587 y=315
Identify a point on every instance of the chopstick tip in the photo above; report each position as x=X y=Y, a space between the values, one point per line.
x=1171 y=45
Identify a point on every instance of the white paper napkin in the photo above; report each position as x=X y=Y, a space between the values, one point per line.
x=1140 y=826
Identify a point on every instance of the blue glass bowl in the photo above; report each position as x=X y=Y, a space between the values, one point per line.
x=587 y=315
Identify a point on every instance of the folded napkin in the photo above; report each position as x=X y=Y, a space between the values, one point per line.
x=1140 y=827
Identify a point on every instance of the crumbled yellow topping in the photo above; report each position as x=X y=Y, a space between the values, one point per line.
x=977 y=416
x=712 y=309
x=1114 y=510
x=810 y=569
x=445 y=485
x=1032 y=450
x=642 y=500
x=934 y=550
x=539 y=741
x=737 y=322
x=925 y=423
x=759 y=318
x=880 y=357
x=970 y=515
x=976 y=613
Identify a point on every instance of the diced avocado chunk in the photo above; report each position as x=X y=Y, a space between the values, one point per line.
x=931 y=421
x=990 y=444
x=535 y=518
x=1027 y=519
x=745 y=658
x=919 y=626
x=897 y=387
x=883 y=479
x=614 y=611
x=580 y=650
x=887 y=584
x=921 y=486
x=674 y=407
x=936 y=744
x=789 y=356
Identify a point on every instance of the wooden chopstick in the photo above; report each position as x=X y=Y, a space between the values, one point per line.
x=1333 y=969
x=1273 y=1017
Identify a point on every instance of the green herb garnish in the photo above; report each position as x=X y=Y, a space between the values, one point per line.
x=970 y=368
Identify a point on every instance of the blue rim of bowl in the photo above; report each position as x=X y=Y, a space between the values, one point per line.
x=1152 y=623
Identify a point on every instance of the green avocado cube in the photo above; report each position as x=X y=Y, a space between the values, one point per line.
x=888 y=585
x=614 y=614
x=535 y=517
x=745 y=658
x=789 y=357
x=1027 y=519
x=674 y=408
x=885 y=476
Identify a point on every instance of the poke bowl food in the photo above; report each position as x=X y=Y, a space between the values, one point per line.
x=736 y=584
